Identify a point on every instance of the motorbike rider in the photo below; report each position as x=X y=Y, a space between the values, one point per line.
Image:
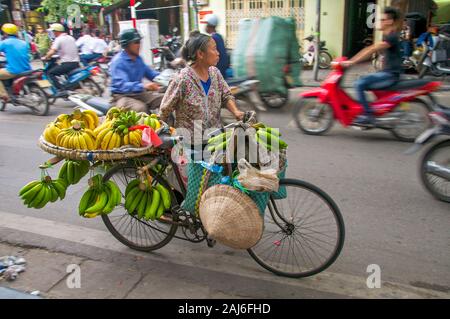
x=17 y=58
x=127 y=72
x=212 y=21
x=84 y=42
x=66 y=48
x=390 y=74
x=97 y=47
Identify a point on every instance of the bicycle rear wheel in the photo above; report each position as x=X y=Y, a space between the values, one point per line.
x=303 y=233
x=137 y=234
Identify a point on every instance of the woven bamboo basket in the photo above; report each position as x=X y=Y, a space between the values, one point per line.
x=231 y=217
x=94 y=155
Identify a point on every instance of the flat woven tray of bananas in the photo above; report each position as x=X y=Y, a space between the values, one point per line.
x=81 y=136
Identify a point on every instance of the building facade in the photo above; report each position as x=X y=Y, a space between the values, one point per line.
x=346 y=25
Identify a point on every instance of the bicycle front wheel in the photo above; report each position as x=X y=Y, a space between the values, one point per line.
x=136 y=233
x=303 y=234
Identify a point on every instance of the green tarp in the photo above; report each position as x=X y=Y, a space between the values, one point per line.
x=264 y=47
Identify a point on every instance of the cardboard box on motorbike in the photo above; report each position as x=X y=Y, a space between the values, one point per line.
x=265 y=47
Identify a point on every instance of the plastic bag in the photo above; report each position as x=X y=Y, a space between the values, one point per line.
x=256 y=180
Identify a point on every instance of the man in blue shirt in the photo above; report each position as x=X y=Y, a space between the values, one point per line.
x=17 y=58
x=212 y=21
x=127 y=72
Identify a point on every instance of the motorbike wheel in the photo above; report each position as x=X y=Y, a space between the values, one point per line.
x=2 y=105
x=36 y=99
x=274 y=100
x=415 y=113
x=89 y=86
x=313 y=117
x=325 y=59
x=438 y=186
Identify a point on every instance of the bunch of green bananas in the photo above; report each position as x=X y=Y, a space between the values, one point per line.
x=146 y=202
x=100 y=198
x=269 y=137
x=152 y=121
x=73 y=171
x=126 y=120
x=37 y=194
x=219 y=142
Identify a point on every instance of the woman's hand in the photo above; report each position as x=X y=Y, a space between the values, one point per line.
x=239 y=115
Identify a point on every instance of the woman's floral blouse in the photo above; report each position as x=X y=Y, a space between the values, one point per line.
x=193 y=109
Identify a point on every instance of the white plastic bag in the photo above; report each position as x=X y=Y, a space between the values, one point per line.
x=256 y=180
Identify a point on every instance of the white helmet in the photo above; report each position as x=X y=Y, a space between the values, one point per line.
x=212 y=20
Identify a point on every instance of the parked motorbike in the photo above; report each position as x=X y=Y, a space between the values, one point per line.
x=397 y=109
x=79 y=79
x=167 y=52
x=309 y=56
x=435 y=163
x=437 y=59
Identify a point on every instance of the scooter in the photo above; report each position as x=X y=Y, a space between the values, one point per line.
x=437 y=59
x=26 y=89
x=396 y=109
x=79 y=79
x=324 y=56
x=435 y=163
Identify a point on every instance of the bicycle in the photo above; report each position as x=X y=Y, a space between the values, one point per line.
x=317 y=234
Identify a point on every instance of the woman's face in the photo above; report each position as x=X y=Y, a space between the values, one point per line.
x=210 y=56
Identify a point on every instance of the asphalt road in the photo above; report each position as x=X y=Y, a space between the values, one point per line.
x=390 y=219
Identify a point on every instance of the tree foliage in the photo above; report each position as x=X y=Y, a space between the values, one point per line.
x=55 y=10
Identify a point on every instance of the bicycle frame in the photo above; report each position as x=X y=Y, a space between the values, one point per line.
x=346 y=109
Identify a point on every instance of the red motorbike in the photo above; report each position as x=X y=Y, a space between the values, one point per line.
x=397 y=109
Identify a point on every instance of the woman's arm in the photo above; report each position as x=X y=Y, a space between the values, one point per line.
x=172 y=98
x=232 y=107
x=228 y=98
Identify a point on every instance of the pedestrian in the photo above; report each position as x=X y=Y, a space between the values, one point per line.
x=42 y=40
x=212 y=21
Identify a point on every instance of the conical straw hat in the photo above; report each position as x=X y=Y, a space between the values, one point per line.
x=231 y=217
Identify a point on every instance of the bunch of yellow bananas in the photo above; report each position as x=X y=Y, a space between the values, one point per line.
x=37 y=194
x=100 y=198
x=51 y=131
x=148 y=202
x=133 y=138
x=108 y=139
x=88 y=118
x=75 y=137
